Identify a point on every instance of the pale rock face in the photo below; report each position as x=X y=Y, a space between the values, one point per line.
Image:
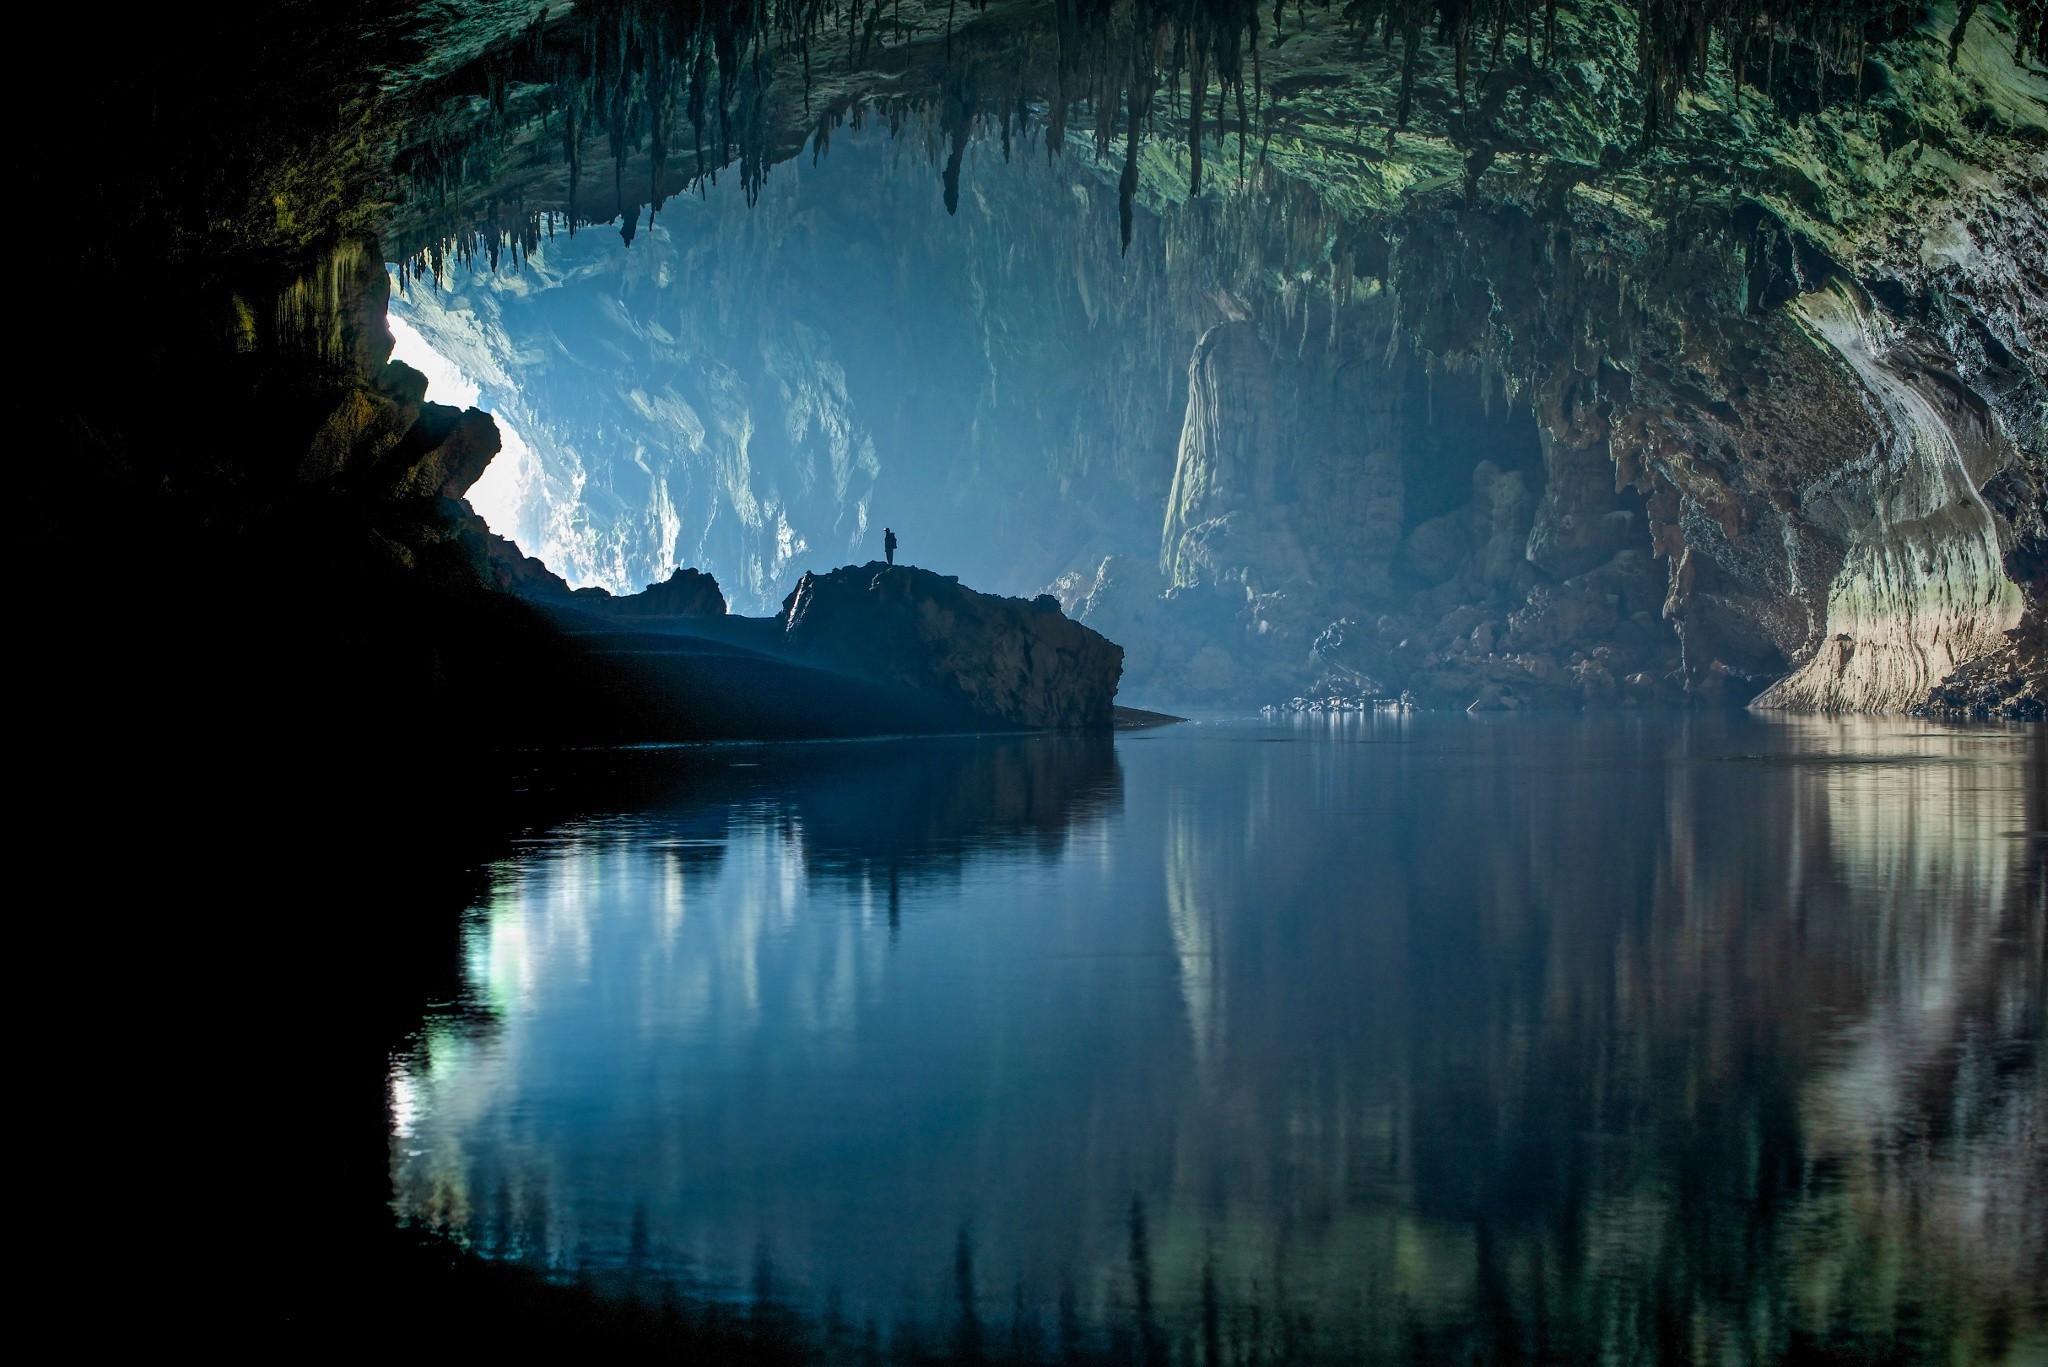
x=1922 y=590
x=1232 y=446
x=1286 y=475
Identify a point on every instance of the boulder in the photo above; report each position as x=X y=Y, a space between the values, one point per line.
x=1008 y=662
x=444 y=453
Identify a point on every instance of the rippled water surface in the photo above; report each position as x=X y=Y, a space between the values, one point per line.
x=1636 y=1038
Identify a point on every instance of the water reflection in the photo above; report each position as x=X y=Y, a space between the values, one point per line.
x=1618 y=1038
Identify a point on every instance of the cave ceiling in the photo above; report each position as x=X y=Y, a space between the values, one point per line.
x=1832 y=117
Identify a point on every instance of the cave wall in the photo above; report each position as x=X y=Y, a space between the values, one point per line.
x=1286 y=471
x=1792 y=440
x=1678 y=495
x=1818 y=503
x=1922 y=589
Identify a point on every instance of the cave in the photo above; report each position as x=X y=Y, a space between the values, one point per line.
x=839 y=351
x=1042 y=681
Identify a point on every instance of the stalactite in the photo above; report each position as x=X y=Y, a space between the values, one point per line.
x=636 y=66
x=1127 y=183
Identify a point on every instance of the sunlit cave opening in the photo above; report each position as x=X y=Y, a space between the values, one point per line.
x=757 y=390
x=504 y=493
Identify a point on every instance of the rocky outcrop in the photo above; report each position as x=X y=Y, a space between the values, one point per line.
x=1012 y=662
x=862 y=651
x=686 y=593
x=687 y=596
x=383 y=439
x=1922 y=590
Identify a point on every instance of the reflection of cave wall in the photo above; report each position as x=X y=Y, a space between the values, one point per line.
x=1590 y=1073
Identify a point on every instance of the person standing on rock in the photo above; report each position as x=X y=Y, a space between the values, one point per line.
x=889 y=545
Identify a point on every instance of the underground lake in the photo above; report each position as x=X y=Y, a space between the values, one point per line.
x=1300 y=1039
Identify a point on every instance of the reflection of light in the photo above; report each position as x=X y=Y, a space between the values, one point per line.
x=1834 y=938
x=671 y=912
x=405 y=1103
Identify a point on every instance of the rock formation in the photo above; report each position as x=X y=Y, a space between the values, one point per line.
x=1922 y=590
x=862 y=650
x=1010 y=662
x=688 y=593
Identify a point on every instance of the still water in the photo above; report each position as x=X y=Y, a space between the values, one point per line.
x=1380 y=1038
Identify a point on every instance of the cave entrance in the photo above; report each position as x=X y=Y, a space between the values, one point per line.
x=757 y=389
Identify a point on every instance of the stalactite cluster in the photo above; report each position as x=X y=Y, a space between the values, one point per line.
x=690 y=88
x=687 y=90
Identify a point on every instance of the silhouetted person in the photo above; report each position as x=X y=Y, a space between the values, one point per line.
x=889 y=545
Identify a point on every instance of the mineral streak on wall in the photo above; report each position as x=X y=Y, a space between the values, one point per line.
x=1922 y=589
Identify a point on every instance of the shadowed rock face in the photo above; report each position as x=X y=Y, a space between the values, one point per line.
x=1014 y=662
x=686 y=593
x=873 y=649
